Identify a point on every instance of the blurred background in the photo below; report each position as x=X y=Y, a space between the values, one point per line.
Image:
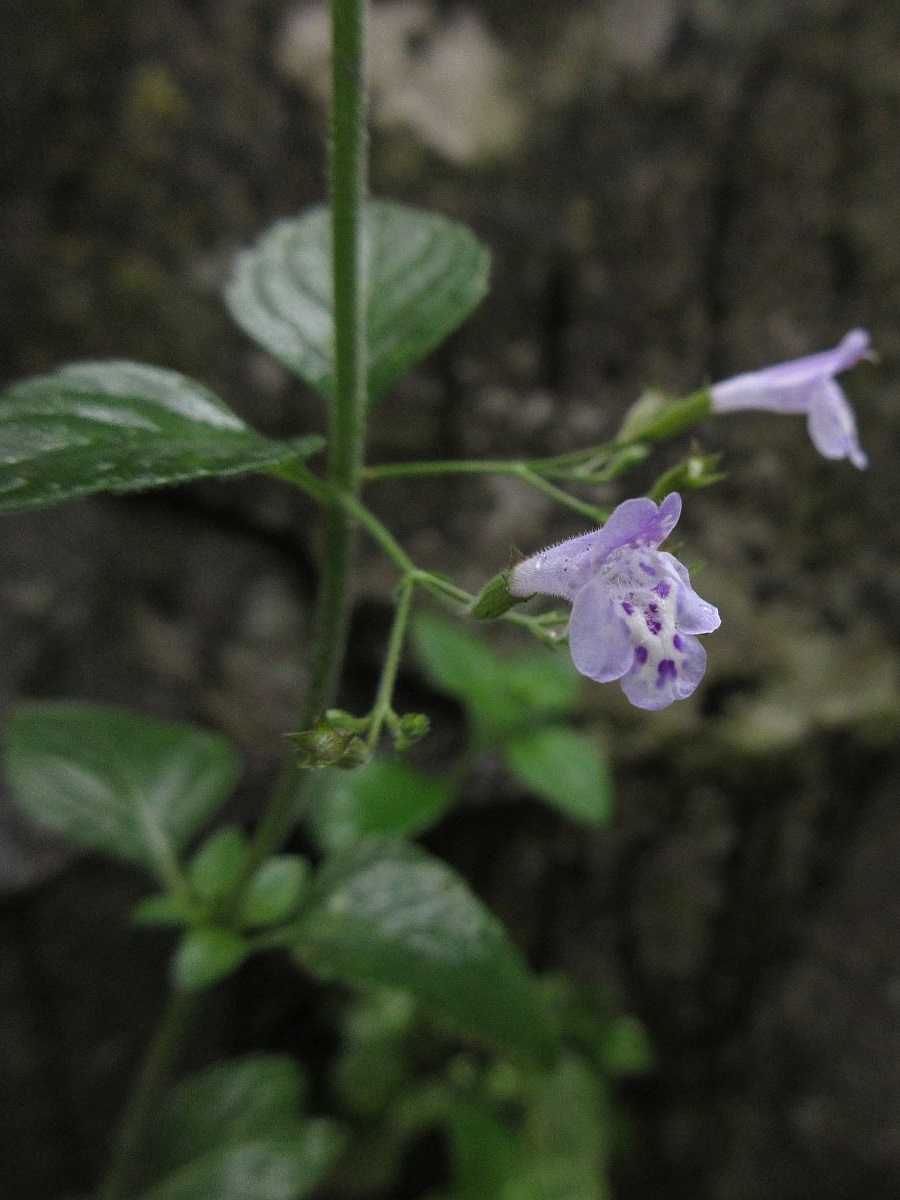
x=673 y=191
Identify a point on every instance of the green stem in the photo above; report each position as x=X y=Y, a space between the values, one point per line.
x=391 y=664
x=346 y=448
x=348 y=402
x=467 y=466
x=529 y=473
x=143 y=1104
x=348 y=178
x=597 y=515
x=457 y=598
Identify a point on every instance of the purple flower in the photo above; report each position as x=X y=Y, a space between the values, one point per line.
x=805 y=385
x=634 y=612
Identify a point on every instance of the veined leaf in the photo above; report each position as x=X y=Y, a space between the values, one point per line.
x=130 y=786
x=121 y=427
x=425 y=274
x=388 y=913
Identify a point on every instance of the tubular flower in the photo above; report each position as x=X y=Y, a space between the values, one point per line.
x=805 y=385
x=634 y=612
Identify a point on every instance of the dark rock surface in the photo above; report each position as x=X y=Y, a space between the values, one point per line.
x=674 y=190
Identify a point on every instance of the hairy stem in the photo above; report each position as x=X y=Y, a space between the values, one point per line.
x=347 y=411
x=348 y=402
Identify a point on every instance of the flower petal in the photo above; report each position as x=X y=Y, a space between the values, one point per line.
x=639 y=522
x=832 y=425
x=599 y=637
x=560 y=570
x=564 y=569
x=761 y=391
x=660 y=679
x=693 y=614
x=786 y=387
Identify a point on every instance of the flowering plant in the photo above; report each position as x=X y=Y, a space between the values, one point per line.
x=347 y=298
x=634 y=612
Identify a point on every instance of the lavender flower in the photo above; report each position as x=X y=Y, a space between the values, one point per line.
x=634 y=612
x=805 y=385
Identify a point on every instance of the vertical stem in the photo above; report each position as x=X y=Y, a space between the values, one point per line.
x=347 y=411
x=153 y=1078
x=347 y=415
x=348 y=402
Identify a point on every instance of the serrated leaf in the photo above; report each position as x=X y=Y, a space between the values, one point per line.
x=383 y=797
x=565 y=769
x=130 y=786
x=121 y=427
x=425 y=274
x=388 y=913
x=285 y=1167
x=235 y=1101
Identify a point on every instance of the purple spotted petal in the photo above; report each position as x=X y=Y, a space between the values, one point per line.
x=693 y=613
x=832 y=425
x=634 y=612
x=599 y=636
x=564 y=569
x=654 y=683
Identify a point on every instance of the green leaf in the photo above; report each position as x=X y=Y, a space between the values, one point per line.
x=130 y=786
x=543 y=684
x=121 y=427
x=383 y=797
x=374 y=1060
x=219 y=864
x=425 y=274
x=486 y=1150
x=205 y=957
x=285 y=1167
x=387 y=913
x=275 y=891
x=164 y=908
x=626 y=1047
x=566 y=770
x=569 y=1114
x=500 y=696
x=455 y=660
x=239 y=1100
x=554 y=1177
